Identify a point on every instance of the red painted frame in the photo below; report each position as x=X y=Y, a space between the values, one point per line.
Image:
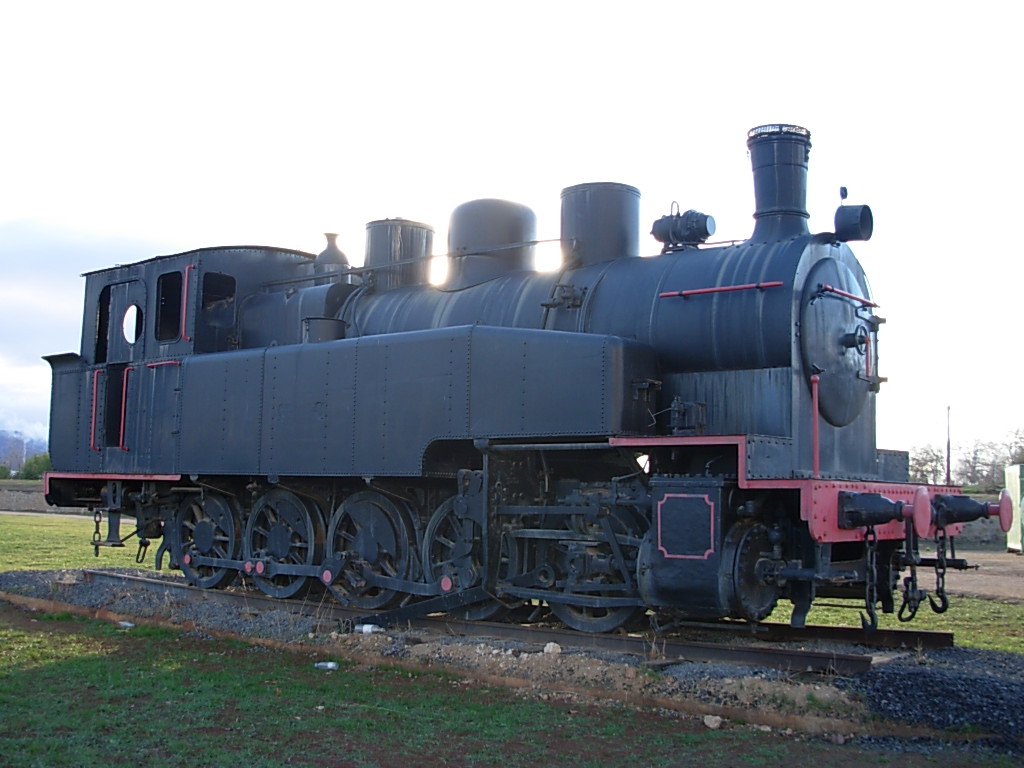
x=103 y=476
x=819 y=499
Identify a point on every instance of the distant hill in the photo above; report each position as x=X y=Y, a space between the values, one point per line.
x=15 y=448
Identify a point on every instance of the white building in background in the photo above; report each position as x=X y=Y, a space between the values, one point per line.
x=1014 y=478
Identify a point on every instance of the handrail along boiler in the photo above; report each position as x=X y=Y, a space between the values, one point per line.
x=688 y=435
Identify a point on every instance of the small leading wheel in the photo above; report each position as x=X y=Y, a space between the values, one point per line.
x=586 y=619
x=207 y=525
x=749 y=543
x=451 y=548
x=285 y=529
x=369 y=530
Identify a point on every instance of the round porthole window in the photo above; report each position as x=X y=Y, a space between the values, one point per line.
x=131 y=326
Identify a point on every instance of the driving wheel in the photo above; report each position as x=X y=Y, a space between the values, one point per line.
x=286 y=530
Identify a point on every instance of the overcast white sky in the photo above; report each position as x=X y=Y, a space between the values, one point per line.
x=133 y=129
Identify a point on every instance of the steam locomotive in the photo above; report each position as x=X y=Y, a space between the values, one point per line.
x=689 y=435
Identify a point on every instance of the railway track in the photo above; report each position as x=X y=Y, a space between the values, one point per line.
x=657 y=650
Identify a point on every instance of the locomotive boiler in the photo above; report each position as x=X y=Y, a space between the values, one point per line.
x=686 y=435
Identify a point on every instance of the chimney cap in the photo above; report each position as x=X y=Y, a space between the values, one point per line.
x=776 y=129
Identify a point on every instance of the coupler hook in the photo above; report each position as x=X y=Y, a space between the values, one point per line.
x=140 y=555
x=912 y=596
x=870 y=623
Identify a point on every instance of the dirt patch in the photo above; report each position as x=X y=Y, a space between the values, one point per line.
x=999 y=575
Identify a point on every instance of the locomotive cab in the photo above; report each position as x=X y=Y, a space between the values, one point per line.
x=119 y=397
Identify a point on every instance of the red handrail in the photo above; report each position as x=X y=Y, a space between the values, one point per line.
x=720 y=289
x=845 y=295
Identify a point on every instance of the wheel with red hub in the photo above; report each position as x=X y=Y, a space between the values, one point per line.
x=207 y=525
x=283 y=530
x=452 y=553
x=369 y=532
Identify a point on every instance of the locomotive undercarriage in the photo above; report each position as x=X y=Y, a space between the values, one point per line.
x=582 y=529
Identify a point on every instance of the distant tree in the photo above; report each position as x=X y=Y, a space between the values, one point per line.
x=927 y=465
x=1015 y=447
x=35 y=466
x=5 y=472
x=11 y=458
x=973 y=463
x=982 y=465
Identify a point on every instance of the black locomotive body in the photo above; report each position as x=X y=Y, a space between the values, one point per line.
x=690 y=434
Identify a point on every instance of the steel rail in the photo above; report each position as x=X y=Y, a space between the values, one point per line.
x=672 y=650
x=668 y=650
x=909 y=639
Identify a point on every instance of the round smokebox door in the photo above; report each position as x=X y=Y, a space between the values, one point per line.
x=835 y=341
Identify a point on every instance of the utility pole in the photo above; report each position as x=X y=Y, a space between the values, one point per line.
x=24 y=450
x=948 y=481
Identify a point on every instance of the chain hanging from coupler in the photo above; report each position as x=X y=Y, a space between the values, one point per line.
x=97 y=537
x=870 y=622
x=940 y=573
x=114 y=538
x=913 y=595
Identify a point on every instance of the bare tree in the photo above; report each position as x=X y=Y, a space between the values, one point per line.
x=983 y=464
x=1015 y=447
x=927 y=465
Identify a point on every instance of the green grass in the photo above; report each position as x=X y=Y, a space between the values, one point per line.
x=77 y=692
x=975 y=622
x=38 y=542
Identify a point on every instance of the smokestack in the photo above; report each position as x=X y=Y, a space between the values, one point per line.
x=778 y=156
